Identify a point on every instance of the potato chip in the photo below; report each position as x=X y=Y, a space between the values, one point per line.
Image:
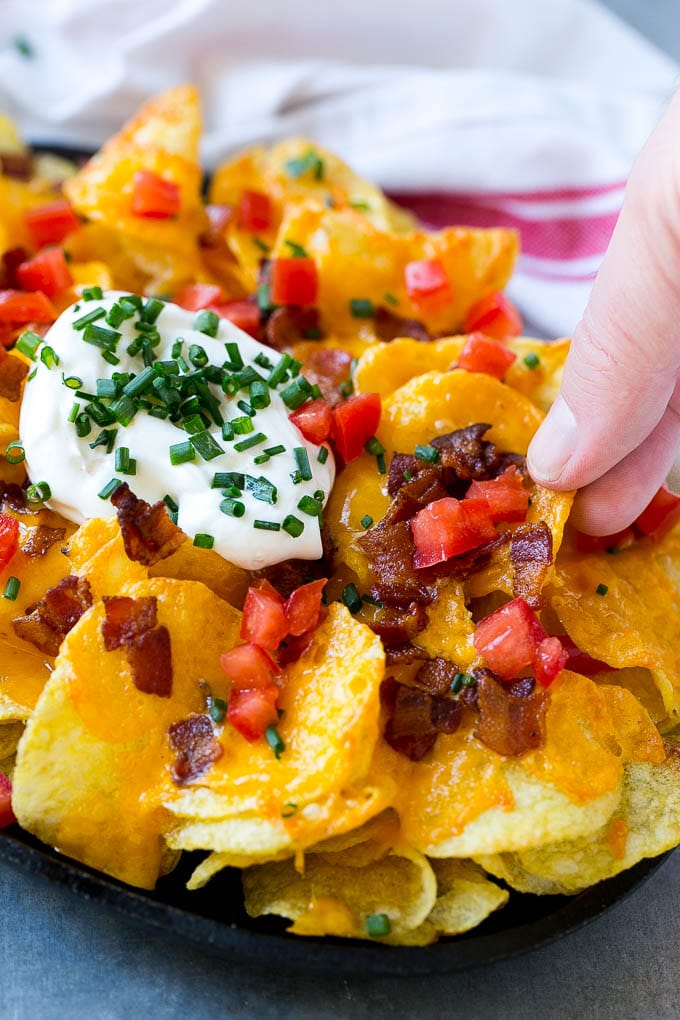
x=337 y=898
x=537 y=372
x=646 y=824
x=86 y=770
x=97 y=553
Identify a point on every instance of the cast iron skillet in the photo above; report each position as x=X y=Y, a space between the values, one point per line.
x=214 y=917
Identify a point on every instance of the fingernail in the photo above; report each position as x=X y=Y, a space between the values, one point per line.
x=553 y=444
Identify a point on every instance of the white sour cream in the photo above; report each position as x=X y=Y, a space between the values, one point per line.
x=76 y=474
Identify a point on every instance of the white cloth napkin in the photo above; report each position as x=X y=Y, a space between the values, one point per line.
x=493 y=112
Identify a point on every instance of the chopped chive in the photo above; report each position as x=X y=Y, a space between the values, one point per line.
x=457 y=683
x=392 y=299
x=124 y=463
x=109 y=488
x=296 y=250
x=382 y=466
x=531 y=360
x=181 y=453
x=198 y=356
x=247 y=444
x=302 y=461
x=23 y=46
x=107 y=388
x=232 y=507
x=346 y=388
x=203 y=541
x=172 y=504
x=351 y=598
x=111 y=358
x=279 y=373
x=259 y=395
x=233 y=492
x=272 y=451
x=310 y=162
x=38 y=493
x=360 y=205
x=261 y=458
x=28 y=343
x=428 y=453
x=117 y=314
x=374 y=447
x=217 y=707
x=370 y=601
x=12 y=589
x=206 y=446
x=378 y=926
x=242 y=426
x=366 y=522
x=602 y=589
x=194 y=423
x=310 y=506
x=262 y=245
x=246 y=376
x=267 y=525
x=89 y=317
x=322 y=455
x=207 y=322
x=263 y=361
x=177 y=348
x=227 y=431
x=140 y=383
x=107 y=438
x=92 y=294
x=293 y=526
x=99 y=336
x=361 y=308
x=74 y=412
x=49 y=357
x=312 y=334
x=247 y=408
x=271 y=735
x=296 y=477
x=32 y=375
x=151 y=310
x=235 y=359
x=73 y=382
x=14 y=452
x=83 y=426
x=262 y=489
x=295 y=394
x=289 y=809
x=123 y=410
x=223 y=479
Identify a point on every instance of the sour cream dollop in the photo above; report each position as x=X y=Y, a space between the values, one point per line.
x=77 y=472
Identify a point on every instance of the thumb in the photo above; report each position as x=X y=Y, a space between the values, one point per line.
x=625 y=356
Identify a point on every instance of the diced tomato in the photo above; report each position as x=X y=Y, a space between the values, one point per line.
x=303 y=607
x=51 y=223
x=580 y=662
x=249 y=666
x=448 y=527
x=19 y=308
x=509 y=638
x=506 y=496
x=426 y=280
x=315 y=420
x=9 y=539
x=195 y=296
x=659 y=517
x=252 y=711
x=495 y=316
x=47 y=271
x=11 y=260
x=354 y=422
x=479 y=354
x=264 y=620
x=254 y=211
x=244 y=314
x=154 y=197
x=293 y=281
x=549 y=660
x=7 y=816
x=219 y=217
x=600 y=543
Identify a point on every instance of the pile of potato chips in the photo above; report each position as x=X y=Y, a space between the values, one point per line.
x=340 y=834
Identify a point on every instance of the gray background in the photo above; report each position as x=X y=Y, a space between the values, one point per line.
x=63 y=958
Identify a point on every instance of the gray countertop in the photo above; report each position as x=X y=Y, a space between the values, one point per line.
x=62 y=958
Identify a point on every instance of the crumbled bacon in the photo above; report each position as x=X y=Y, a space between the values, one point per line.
x=12 y=374
x=516 y=460
x=18 y=165
x=286 y=326
x=402 y=466
x=328 y=368
x=531 y=553
x=41 y=539
x=148 y=533
x=436 y=676
x=511 y=716
x=389 y=550
x=127 y=619
x=467 y=454
x=196 y=746
x=404 y=655
x=463 y=566
x=389 y=326
x=415 y=718
x=150 y=659
x=48 y=621
x=399 y=626
x=289 y=575
x=425 y=488
x=13 y=497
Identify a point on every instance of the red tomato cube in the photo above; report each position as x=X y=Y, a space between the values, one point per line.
x=449 y=527
x=303 y=607
x=659 y=516
x=479 y=354
x=47 y=271
x=19 y=308
x=426 y=279
x=505 y=496
x=51 y=223
x=254 y=211
x=154 y=197
x=293 y=281
x=252 y=711
x=264 y=619
x=355 y=421
x=314 y=420
x=248 y=666
x=549 y=660
x=495 y=316
x=195 y=296
x=9 y=539
x=508 y=639
x=244 y=314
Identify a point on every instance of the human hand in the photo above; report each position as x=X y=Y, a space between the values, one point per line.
x=614 y=431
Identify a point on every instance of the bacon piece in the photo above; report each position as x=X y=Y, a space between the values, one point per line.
x=328 y=368
x=12 y=374
x=127 y=619
x=41 y=539
x=18 y=165
x=196 y=746
x=436 y=676
x=425 y=488
x=48 y=621
x=400 y=464
x=389 y=326
x=389 y=550
x=415 y=718
x=467 y=454
x=286 y=326
x=511 y=716
x=468 y=563
x=531 y=553
x=516 y=460
x=148 y=533
x=289 y=575
x=399 y=626
x=13 y=497
x=150 y=659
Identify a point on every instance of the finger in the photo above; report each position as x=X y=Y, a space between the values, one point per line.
x=625 y=355
x=610 y=504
